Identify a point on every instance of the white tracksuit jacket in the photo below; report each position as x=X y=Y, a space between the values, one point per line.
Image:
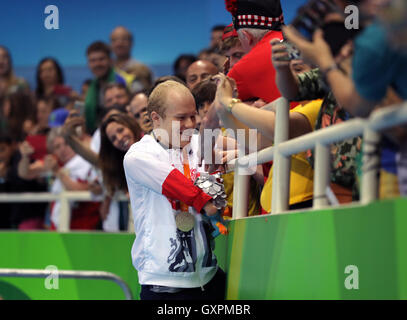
x=162 y=254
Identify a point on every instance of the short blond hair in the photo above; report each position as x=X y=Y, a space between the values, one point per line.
x=157 y=101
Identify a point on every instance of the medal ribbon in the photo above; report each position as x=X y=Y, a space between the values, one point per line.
x=187 y=174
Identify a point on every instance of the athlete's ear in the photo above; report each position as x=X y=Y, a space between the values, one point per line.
x=156 y=118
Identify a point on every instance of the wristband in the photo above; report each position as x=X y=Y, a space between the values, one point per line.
x=232 y=103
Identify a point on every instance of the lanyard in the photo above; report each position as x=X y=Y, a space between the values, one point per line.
x=187 y=174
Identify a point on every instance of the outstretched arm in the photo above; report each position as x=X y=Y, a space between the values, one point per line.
x=286 y=81
x=71 y=137
x=27 y=170
x=262 y=120
x=341 y=84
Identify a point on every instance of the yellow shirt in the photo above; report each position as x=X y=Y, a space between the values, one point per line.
x=302 y=174
x=253 y=206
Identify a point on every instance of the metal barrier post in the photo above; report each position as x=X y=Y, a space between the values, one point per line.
x=240 y=192
x=321 y=175
x=281 y=165
x=65 y=213
x=371 y=166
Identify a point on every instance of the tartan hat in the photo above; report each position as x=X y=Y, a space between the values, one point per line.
x=258 y=14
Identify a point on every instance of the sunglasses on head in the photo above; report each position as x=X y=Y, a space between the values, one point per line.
x=137 y=115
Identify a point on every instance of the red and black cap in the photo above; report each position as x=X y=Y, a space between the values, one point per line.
x=258 y=14
x=229 y=32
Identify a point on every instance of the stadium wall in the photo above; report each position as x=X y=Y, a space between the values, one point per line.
x=291 y=256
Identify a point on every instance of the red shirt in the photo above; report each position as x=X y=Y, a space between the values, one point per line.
x=39 y=143
x=254 y=74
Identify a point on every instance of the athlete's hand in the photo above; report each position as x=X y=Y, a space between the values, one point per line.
x=210 y=209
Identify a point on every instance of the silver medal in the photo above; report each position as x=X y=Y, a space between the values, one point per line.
x=213 y=186
x=185 y=221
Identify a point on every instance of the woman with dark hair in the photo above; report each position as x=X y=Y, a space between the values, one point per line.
x=9 y=83
x=50 y=83
x=110 y=142
x=118 y=132
x=18 y=113
x=37 y=136
x=49 y=75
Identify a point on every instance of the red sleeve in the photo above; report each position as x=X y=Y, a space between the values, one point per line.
x=238 y=73
x=177 y=187
x=255 y=74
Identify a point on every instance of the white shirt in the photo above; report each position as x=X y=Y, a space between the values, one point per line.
x=78 y=169
x=162 y=254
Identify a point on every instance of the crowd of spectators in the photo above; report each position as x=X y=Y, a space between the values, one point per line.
x=53 y=138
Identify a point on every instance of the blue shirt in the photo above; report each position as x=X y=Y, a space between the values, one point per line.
x=376 y=65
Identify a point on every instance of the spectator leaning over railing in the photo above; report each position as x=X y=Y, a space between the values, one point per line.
x=394 y=20
x=204 y=94
x=311 y=85
x=231 y=47
x=373 y=56
x=377 y=67
x=238 y=115
x=256 y=23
